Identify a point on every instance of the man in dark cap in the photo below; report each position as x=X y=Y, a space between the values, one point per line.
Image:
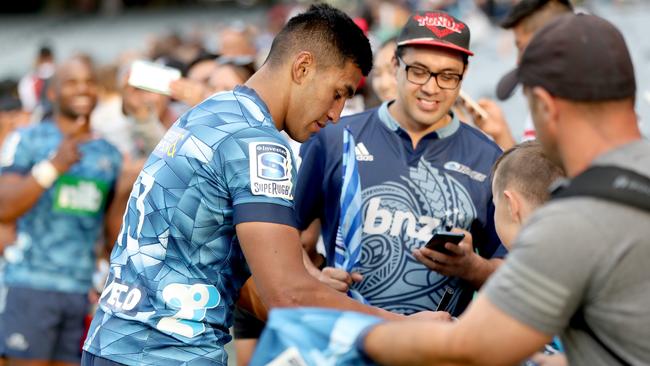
x=579 y=266
x=524 y=19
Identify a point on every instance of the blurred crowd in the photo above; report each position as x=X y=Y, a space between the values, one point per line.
x=134 y=119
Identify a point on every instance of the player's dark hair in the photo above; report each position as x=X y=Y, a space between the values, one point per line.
x=326 y=32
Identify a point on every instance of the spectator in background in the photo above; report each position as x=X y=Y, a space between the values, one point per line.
x=55 y=183
x=12 y=116
x=382 y=77
x=230 y=72
x=32 y=87
x=524 y=19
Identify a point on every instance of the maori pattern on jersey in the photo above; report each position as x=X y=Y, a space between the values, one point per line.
x=399 y=217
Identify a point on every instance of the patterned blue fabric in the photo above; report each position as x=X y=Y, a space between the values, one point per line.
x=312 y=336
x=407 y=194
x=348 y=236
x=55 y=243
x=177 y=267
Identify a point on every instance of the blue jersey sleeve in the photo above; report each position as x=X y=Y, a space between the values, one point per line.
x=309 y=196
x=16 y=156
x=259 y=174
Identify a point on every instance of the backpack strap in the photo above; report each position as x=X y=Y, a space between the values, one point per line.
x=610 y=183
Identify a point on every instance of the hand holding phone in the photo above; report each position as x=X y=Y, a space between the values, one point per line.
x=440 y=238
x=473 y=106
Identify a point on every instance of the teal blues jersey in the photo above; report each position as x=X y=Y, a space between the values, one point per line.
x=177 y=267
x=55 y=242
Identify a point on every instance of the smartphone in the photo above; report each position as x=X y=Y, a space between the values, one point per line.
x=472 y=105
x=152 y=77
x=437 y=242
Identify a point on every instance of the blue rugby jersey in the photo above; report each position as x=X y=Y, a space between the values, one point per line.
x=55 y=241
x=407 y=196
x=177 y=267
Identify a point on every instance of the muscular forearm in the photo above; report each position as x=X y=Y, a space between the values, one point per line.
x=411 y=344
x=482 y=270
x=18 y=194
x=310 y=292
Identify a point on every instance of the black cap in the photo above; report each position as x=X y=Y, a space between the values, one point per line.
x=435 y=28
x=575 y=57
x=526 y=8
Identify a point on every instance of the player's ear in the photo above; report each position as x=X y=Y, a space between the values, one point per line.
x=303 y=64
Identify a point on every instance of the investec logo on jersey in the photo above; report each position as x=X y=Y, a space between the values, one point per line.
x=79 y=196
x=171 y=142
x=362 y=153
x=382 y=220
x=270 y=170
x=464 y=169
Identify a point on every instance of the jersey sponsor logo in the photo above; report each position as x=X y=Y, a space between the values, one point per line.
x=362 y=153
x=464 y=169
x=270 y=170
x=192 y=302
x=79 y=196
x=120 y=297
x=381 y=221
x=171 y=142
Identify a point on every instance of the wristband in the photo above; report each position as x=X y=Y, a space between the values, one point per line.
x=45 y=173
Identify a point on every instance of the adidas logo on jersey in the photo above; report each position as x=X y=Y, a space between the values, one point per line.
x=362 y=153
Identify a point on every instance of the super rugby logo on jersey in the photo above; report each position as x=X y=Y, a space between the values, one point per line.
x=270 y=170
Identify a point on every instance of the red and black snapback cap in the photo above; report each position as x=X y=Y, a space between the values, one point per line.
x=435 y=28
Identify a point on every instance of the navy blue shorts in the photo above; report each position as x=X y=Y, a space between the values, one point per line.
x=43 y=325
x=88 y=359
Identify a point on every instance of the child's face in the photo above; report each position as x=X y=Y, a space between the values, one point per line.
x=506 y=226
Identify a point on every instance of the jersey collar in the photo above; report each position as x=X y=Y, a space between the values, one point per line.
x=389 y=121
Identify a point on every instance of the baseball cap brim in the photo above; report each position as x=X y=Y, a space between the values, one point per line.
x=507 y=85
x=431 y=42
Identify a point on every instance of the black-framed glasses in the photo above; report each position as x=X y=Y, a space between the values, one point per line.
x=419 y=75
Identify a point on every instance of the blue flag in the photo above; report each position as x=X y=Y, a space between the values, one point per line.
x=348 y=236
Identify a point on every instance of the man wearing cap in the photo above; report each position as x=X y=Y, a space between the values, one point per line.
x=524 y=19
x=579 y=267
x=421 y=171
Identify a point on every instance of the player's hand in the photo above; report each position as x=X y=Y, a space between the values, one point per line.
x=339 y=279
x=439 y=316
x=460 y=264
x=495 y=125
x=68 y=152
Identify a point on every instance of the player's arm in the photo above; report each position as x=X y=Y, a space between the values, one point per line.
x=484 y=335
x=274 y=255
x=20 y=188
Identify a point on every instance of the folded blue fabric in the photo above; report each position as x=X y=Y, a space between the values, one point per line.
x=313 y=336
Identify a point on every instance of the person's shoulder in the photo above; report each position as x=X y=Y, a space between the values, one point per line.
x=354 y=123
x=476 y=136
